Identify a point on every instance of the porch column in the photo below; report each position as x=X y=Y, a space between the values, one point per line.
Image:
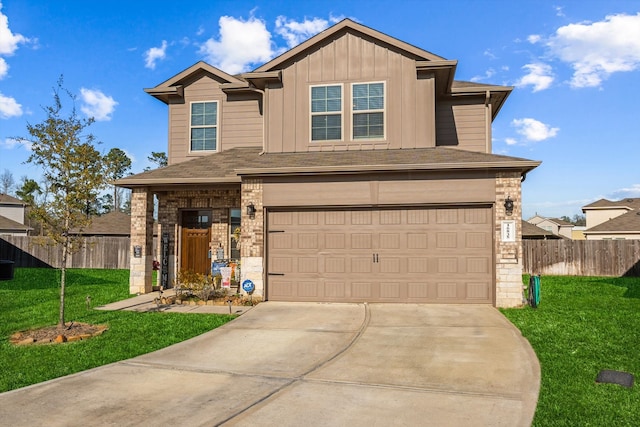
x=252 y=235
x=508 y=240
x=141 y=255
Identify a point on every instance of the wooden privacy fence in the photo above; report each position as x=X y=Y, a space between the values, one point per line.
x=582 y=257
x=97 y=252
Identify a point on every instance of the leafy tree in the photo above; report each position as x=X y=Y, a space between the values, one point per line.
x=72 y=173
x=6 y=182
x=159 y=158
x=117 y=165
x=28 y=191
x=579 y=220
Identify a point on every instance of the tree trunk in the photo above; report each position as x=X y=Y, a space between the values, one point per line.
x=63 y=279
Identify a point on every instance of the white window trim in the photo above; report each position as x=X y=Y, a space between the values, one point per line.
x=217 y=126
x=383 y=111
x=341 y=112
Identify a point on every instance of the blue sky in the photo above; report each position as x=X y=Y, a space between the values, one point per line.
x=575 y=66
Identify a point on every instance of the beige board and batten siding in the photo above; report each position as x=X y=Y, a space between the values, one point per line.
x=347 y=59
x=239 y=118
x=464 y=125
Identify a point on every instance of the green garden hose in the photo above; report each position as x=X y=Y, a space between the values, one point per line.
x=534 y=291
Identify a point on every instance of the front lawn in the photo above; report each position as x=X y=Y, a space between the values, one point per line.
x=31 y=300
x=584 y=325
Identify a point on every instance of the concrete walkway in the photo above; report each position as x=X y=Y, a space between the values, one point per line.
x=307 y=364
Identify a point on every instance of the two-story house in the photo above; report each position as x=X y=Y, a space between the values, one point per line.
x=12 y=216
x=356 y=167
x=618 y=219
x=557 y=226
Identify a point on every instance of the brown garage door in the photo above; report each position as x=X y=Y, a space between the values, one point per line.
x=396 y=255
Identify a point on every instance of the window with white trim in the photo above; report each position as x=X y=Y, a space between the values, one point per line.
x=204 y=126
x=368 y=110
x=326 y=113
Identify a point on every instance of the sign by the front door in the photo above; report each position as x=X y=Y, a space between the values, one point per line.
x=164 y=275
x=508 y=231
x=248 y=286
x=226 y=276
x=137 y=251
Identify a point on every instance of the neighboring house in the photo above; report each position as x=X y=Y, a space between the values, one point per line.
x=112 y=224
x=556 y=226
x=12 y=215
x=608 y=219
x=533 y=232
x=356 y=167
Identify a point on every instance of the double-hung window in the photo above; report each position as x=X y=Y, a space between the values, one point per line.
x=204 y=126
x=326 y=113
x=368 y=110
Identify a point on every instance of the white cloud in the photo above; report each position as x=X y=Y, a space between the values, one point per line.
x=534 y=38
x=8 y=41
x=534 y=130
x=96 y=104
x=540 y=77
x=487 y=75
x=511 y=141
x=154 y=54
x=296 y=32
x=597 y=50
x=241 y=44
x=623 y=193
x=9 y=107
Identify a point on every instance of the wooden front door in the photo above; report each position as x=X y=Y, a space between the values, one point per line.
x=195 y=250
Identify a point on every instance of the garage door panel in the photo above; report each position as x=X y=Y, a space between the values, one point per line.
x=397 y=255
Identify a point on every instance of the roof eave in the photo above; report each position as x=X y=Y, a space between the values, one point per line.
x=153 y=182
x=524 y=167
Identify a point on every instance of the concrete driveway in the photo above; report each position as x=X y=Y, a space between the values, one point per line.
x=308 y=364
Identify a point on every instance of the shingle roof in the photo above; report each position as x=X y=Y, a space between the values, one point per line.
x=628 y=222
x=6 y=199
x=632 y=203
x=560 y=221
x=112 y=223
x=227 y=166
x=530 y=231
x=7 y=224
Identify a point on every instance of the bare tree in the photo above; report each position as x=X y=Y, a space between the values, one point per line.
x=6 y=182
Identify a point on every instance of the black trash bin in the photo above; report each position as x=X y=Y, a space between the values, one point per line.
x=6 y=269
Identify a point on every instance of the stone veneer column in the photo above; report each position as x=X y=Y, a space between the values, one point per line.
x=508 y=254
x=141 y=264
x=252 y=237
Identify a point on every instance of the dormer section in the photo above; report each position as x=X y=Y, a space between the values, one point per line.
x=209 y=111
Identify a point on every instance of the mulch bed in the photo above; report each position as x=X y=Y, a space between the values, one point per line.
x=73 y=331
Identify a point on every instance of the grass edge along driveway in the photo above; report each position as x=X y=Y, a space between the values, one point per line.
x=584 y=325
x=31 y=300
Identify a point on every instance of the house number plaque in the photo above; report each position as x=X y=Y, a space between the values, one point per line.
x=508 y=231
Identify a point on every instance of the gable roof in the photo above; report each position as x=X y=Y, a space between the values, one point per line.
x=625 y=223
x=530 y=231
x=174 y=86
x=628 y=203
x=110 y=224
x=560 y=222
x=228 y=166
x=347 y=25
x=6 y=199
x=10 y=225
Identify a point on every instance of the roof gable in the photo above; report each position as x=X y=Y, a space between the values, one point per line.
x=626 y=223
x=628 y=203
x=6 y=199
x=338 y=30
x=174 y=86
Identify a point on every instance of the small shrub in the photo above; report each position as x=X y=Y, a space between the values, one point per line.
x=189 y=283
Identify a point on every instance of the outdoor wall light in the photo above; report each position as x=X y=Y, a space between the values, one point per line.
x=251 y=210
x=508 y=205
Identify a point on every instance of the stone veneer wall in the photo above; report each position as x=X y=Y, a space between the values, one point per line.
x=219 y=199
x=508 y=254
x=141 y=235
x=252 y=238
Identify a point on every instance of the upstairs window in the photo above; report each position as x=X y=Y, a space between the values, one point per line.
x=368 y=111
x=326 y=113
x=204 y=126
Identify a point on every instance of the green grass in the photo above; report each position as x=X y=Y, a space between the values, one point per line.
x=584 y=325
x=31 y=300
